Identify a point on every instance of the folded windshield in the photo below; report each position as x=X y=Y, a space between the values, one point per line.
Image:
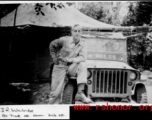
x=106 y=49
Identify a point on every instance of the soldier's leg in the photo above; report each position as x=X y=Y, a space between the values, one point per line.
x=81 y=71
x=58 y=77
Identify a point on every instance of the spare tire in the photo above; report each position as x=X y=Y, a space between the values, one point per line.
x=68 y=94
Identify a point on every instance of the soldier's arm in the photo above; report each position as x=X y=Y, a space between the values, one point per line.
x=54 y=46
x=82 y=55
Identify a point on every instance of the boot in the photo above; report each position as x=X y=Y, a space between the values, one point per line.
x=80 y=96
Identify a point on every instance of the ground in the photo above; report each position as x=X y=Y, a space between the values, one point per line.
x=24 y=93
x=34 y=93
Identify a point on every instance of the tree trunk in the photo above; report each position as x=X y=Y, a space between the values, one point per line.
x=143 y=50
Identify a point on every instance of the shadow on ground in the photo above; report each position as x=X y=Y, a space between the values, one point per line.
x=24 y=93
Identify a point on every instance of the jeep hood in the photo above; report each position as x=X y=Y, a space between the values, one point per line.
x=108 y=64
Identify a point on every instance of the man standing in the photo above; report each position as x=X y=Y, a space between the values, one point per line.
x=69 y=56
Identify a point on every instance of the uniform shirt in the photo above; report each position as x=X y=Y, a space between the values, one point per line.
x=65 y=47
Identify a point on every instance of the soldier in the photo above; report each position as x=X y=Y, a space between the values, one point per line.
x=69 y=56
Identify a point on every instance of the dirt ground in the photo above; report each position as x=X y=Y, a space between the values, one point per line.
x=25 y=93
x=40 y=93
x=30 y=94
x=33 y=93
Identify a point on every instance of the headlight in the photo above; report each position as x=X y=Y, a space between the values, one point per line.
x=89 y=74
x=133 y=75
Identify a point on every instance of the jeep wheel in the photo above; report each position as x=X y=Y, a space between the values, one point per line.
x=141 y=95
x=68 y=94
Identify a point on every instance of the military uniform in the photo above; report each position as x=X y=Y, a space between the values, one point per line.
x=65 y=47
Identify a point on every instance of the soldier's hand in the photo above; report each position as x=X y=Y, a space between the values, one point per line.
x=68 y=60
x=60 y=58
x=55 y=61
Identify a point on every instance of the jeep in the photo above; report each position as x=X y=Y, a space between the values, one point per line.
x=109 y=77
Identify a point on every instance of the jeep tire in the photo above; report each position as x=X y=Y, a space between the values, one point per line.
x=141 y=95
x=68 y=94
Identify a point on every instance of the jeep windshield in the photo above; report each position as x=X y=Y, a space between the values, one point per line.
x=106 y=49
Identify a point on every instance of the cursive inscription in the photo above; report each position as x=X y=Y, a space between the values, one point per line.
x=7 y=109
x=12 y=115
x=55 y=115
x=25 y=112
x=52 y=115
x=37 y=115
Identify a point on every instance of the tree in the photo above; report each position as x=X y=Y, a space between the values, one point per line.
x=94 y=10
x=144 y=13
x=98 y=10
x=140 y=47
x=107 y=12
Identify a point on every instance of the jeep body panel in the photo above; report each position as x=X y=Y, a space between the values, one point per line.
x=147 y=84
x=108 y=64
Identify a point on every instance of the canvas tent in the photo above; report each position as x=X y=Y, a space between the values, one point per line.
x=65 y=16
x=30 y=52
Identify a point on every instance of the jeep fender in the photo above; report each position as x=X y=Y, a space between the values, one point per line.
x=148 y=87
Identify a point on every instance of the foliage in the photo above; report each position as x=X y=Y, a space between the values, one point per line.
x=102 y=11
x=70 y=3
x=55 y=5
x=139 y=48
x=38 y=7
x=94 y=10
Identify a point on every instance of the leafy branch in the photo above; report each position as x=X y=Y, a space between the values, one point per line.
x=55 y=6
x=38 y=9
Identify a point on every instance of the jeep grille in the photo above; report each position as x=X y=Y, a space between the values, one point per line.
x=109 y=81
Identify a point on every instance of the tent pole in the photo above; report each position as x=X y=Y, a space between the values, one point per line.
x=14 y=30
x=1 y=9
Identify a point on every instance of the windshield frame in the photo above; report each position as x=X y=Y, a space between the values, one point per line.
x=107 y=56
